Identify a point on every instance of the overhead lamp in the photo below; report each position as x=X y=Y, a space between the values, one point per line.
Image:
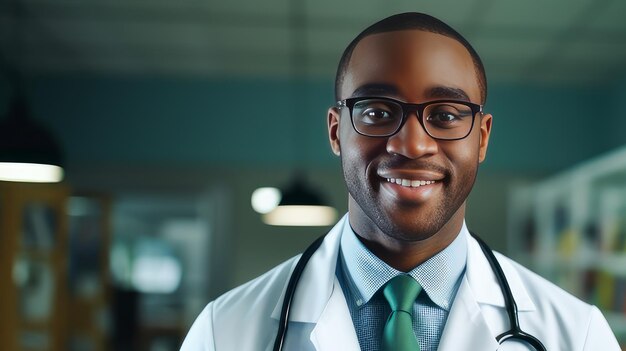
x=300 y=205
x=28 y=152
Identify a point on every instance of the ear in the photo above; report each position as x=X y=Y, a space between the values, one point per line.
x=333 y=130
x=485 y=131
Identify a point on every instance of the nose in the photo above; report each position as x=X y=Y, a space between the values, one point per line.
x=412 y=141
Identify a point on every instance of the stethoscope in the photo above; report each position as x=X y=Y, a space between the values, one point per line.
x=515 y=333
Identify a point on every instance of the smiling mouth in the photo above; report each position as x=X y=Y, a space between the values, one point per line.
x=410 y=183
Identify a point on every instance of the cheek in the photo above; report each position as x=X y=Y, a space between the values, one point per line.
x=359 y=155
x=360 y=151
x=464 y=155
x=356 y=150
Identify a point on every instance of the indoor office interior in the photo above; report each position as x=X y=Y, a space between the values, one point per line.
x=162 y=119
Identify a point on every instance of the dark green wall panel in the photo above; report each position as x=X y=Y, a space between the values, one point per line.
x=225 y=122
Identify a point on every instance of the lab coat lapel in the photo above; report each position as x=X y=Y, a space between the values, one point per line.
x=335 y=330
x=466 y=328
x=484 y=284
x=319 y=299
x=478 y=313
x=316 y=283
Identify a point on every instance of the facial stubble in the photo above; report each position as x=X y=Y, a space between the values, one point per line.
x=365 y=189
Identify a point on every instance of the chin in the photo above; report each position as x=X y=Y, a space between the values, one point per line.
x=410 y=230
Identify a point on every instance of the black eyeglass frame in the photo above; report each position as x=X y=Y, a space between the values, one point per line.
x=407 y=108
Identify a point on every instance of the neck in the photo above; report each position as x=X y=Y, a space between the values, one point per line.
x=401 y=254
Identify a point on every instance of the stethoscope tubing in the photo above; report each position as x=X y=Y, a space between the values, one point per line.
x=509 y=302
x=283 y=322
x=515 y=333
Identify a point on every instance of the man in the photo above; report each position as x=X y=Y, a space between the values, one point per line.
x=400 y=271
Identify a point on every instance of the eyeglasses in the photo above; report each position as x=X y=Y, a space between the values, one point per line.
x=384 y=117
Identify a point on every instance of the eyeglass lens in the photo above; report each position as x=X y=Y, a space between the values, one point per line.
x=443 y=120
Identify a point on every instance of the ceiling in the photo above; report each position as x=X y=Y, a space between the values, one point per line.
x=556 y=41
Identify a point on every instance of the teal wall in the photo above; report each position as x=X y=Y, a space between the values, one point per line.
x=235 y=122
x=544 y=128
x=183 y=121
x=162 y=135
x=615 y=112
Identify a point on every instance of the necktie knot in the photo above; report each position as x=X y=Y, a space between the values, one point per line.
x=401 y=292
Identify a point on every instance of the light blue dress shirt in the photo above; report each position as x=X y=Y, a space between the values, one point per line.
x=362 y=274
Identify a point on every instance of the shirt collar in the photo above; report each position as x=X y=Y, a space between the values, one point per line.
x=439 y=276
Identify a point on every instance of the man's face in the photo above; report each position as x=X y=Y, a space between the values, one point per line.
x=412 y=66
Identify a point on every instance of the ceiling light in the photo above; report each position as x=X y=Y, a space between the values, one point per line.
x=301 y=215
x=30 y=172
x=301 y=206
x=28 y=152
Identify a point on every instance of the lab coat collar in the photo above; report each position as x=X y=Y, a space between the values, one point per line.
x=318 y=277
x=319 y=299
x=484 y=284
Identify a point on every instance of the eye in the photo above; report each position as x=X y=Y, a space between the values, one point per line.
x=442 y=117
x=376 y=112
x=373 y=114
x=447 y=115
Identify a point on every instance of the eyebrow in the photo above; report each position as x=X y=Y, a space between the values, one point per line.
x=374 y=89
x=442 y=92
x=438 y=92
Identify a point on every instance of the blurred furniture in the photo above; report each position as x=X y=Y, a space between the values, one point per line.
x=162 y=263
x=571 y=229
x=33 y=266
x=89 y=277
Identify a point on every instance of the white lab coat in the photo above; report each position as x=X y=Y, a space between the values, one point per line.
x=246 y=318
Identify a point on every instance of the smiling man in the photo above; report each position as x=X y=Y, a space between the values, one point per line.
x=401 y=271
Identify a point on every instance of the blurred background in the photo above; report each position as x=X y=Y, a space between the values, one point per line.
x=161 y=119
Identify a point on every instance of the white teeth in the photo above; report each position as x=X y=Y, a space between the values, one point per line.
x=410 y=183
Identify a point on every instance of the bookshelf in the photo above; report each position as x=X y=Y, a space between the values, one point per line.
x=33 y=266
x=571 y=229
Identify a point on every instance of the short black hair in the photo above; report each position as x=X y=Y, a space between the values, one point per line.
x=409 y=21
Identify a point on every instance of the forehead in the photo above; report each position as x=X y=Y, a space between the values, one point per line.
x=414 y=63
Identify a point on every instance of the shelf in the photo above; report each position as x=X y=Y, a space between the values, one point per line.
x=571 y=228
x=614 y=264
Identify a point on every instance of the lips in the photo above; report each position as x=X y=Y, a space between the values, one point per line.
x=411 y=185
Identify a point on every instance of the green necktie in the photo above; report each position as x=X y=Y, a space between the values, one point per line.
x=398 y=335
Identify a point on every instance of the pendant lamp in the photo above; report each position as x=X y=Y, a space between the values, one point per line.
x=28 y=152
x=301 y=205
